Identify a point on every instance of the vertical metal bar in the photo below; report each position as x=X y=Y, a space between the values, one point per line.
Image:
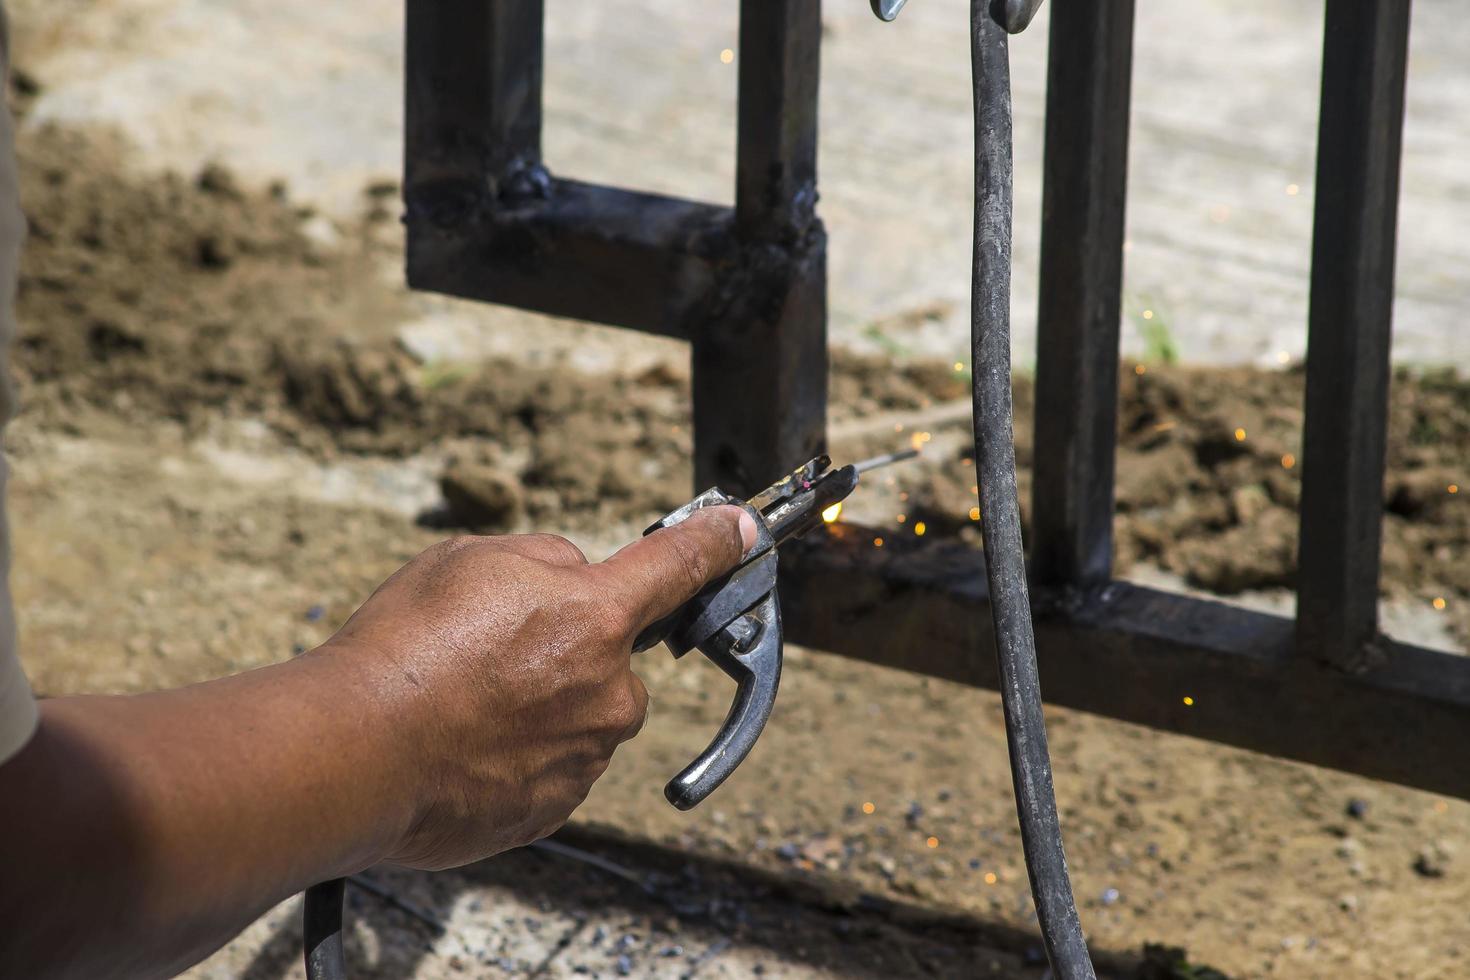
x=1364 y=58
x=776 y=165
x=1089 y=68
x=472 y=100
x=760 y=350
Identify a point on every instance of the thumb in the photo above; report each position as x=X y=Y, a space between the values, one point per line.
x=660 y=572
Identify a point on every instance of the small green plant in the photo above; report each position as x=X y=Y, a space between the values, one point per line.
x=890 y=346
x=1158 y=343
x=441 y=374
x=1159 y=346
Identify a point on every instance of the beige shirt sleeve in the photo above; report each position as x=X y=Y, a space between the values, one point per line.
x=17 y=705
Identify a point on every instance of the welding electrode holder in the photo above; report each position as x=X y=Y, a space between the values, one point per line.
x=736 y=621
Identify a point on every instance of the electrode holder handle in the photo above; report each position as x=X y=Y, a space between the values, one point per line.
x=736 y=620
x=736 y=623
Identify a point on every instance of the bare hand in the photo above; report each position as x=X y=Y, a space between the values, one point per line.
x=509 y=675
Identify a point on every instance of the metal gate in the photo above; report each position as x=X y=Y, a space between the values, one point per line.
x=746 y=286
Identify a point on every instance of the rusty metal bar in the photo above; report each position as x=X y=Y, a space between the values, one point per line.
x=1134 y=654
x=1086 y=175
x=1359 y=138
x=762 y=345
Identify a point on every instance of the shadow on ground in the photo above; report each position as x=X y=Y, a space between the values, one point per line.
x=600 y=905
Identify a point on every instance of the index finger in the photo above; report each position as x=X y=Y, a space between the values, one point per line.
x=660 y=572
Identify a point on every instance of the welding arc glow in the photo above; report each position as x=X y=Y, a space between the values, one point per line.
x=831 y=514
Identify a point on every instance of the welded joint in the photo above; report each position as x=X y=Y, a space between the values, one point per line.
x=753 y=278
x=451 y=202
x=789 y=217
x=1076 y=603
x=1366 y=656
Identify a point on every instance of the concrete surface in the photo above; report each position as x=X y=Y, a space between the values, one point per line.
x=616 y=912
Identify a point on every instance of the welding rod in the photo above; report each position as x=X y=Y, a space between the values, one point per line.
x=887 y=459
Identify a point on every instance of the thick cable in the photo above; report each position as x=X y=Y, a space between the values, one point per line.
x=1000 y=519
x=322 y=929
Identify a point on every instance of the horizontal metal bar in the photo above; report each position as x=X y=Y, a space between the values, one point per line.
x=1364 y=62
x=1134 y=654
x=602 y=254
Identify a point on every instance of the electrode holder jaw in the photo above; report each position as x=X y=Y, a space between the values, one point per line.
x=736 y=620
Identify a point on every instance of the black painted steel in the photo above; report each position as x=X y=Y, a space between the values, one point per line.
x=643 y=261
x=472 y=98
x=1364 y=60
x=1133 y=653
x=760 y=340
x=1079 y=307
x=776 y=146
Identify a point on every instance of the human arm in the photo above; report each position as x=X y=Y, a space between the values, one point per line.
x=466 y=708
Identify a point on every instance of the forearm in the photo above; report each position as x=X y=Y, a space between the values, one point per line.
x=140 y=833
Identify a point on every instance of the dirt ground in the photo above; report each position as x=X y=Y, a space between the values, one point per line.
x=225 y=443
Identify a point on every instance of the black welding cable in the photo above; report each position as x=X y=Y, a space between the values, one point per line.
x=1000 y=520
